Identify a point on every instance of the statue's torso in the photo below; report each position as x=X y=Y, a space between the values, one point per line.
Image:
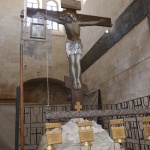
x=72 y=31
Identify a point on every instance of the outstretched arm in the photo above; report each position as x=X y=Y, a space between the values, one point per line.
x=86 y=20
x=92 y=23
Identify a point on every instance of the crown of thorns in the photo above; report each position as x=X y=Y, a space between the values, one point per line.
x=62 y=16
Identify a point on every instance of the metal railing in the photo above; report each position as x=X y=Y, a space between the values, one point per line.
x=34 y=120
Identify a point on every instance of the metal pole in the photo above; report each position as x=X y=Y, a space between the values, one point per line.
x=17 y=118
x=21 y=86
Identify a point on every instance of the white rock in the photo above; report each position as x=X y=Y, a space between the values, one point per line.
x=70 y=138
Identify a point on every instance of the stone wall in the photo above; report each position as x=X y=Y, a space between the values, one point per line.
x=101 y=8
x=35 y=91
x=7 y=126
x=123 y=73
x=10 y=48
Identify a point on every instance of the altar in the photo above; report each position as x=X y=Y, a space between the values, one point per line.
x=70 y=138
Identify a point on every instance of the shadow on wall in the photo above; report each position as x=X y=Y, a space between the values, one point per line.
x=35 y=91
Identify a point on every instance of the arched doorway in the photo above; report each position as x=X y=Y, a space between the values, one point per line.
x=35 y=91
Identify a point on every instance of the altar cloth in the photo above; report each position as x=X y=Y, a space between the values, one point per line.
x=70 y=138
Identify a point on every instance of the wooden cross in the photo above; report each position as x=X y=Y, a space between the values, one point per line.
x=78 y=107
x=72 y=23
x=71 y=6
x=76 y=95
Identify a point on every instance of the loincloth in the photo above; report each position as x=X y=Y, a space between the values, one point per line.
x=73 y=47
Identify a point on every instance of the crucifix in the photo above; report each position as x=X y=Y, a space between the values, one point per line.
x=72 y=23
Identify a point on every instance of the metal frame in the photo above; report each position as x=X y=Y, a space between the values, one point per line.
x=42 y=31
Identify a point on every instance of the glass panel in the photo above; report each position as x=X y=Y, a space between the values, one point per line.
x=35 y=5
x=49 y=8
x=55 y=26
x=29 y=5
x=28 y=21
x=49 y=24
x=35 y=20
x=51 y=3
x=54 y=8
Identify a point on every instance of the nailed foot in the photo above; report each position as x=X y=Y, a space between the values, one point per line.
x=75 y=86
x=79 y=84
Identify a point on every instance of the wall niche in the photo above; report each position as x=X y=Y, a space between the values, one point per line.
x=35 y=91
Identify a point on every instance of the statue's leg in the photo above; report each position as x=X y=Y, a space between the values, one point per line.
x=78 y=70
x=73 y=70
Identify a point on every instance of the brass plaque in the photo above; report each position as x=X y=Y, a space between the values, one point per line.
x=84 y=124
x=118 y=132
x=54 y=137
x=52 y=125
x=86 y=135
x=146 y=131
x=117 y=121
x=146 y=119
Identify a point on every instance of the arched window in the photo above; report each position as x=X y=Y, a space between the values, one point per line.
x=52 y=5
x=32 y=4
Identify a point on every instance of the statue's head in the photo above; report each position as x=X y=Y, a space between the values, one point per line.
x=68 y=16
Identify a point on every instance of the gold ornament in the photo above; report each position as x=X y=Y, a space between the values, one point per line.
x=50 y=147
x=146 y=126
x=118 y=130
x=86 y=135
x=53 y=137
x=78 y=106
